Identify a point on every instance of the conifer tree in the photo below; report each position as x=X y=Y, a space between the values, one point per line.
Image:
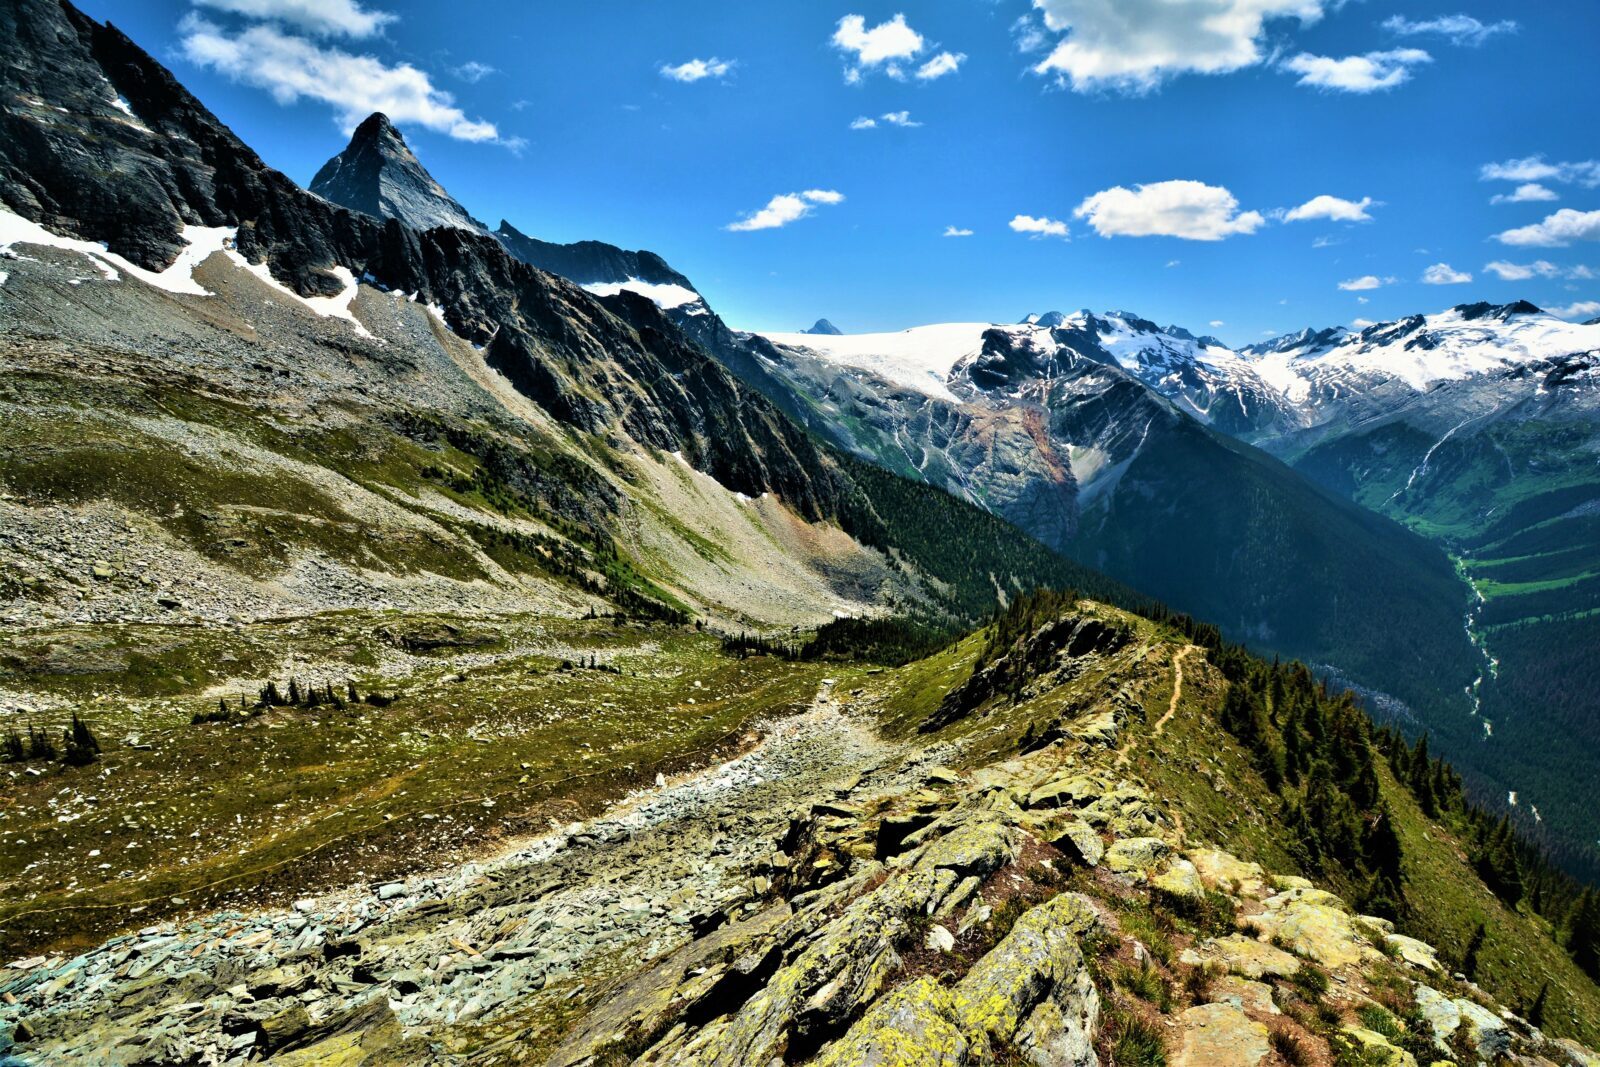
x=1469 y=958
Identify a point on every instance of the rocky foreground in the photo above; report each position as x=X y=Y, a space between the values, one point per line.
x=831 y=898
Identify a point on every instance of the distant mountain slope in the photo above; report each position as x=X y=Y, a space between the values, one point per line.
x=104 y=145
x=379 y=175
x=1054 y=426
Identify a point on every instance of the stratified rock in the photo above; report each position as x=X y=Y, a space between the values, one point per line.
x=910 y=1027
x=1243 y=956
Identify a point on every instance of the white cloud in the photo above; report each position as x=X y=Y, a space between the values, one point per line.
x=1215 y=323
x=956 y=231
x=1040 y=227
x=1582 y=309
x=940 y=65
x=1459 y=29
x=1191 y=210
x=292 y=68
x=1363 y=300
x=331 y=18
x=1174 y=263
x=784 y=209
x=473 y=72
x=1362 y=324
x=1556 y=231
x=1520 y=272
x=1361 y=284
x=1445 y=274
x=1332 y=208
x=1357 y=74
x=885 y=45
x=1535 y=169
x=890 y=118
x=1526 y=194
x=1030 y=35
x=1135 y=45
x=694 y=70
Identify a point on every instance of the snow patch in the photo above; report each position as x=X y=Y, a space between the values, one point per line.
x=200 y=244
x=666 y=296
x=920 y=358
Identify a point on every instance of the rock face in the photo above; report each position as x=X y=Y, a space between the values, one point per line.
x=74 y=161
x=825 y=328
x=377 y=174
x=589 y=262
x=1220 y=1035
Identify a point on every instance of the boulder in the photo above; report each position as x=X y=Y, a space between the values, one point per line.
x=1243 y=956
x=1080 y=842
x=1136 y=857
x=1325 y=934
x=1244 y=994
x=1419 y=954
x=1181 y=879
x=1228 y=874
x=910 y=1027
x=1220 y=1035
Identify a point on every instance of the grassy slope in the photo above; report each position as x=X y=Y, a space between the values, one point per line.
x=1202 y=774
x=223 y=815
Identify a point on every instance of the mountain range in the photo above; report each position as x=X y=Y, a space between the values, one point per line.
x=428 y=644
x=1242 y=485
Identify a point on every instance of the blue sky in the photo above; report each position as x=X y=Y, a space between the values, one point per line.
x=1204 y=123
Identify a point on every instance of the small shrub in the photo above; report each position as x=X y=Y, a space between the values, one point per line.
x=1147 y=984
x=1292 y=1050
x=1312 y=981
x=1136 y=1043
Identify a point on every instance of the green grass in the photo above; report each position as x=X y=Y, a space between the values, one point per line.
x=225 y=814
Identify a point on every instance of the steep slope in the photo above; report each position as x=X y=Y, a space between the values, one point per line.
x=930 y=864
x=1051 y=426
x=105 y=146
x=378 y=175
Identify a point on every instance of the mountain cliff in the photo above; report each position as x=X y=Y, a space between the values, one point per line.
x=378 y=175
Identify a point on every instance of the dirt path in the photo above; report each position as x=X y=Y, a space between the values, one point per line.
x=1172 y=706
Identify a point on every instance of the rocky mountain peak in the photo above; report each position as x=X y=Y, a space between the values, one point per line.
x=377 y=174
x=825 y=328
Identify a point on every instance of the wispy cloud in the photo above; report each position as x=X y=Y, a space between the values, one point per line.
x=1536 y=169
x=694 y=70
x=1361 y=284
x=327 y=18
x=940 y=65
x=785 y=208
x=956 y=231
x=1556 y=231
x=1369 y=73
x=1191 y=210
x=1539 y=268
x=1582 y=309
x=891 y=118
x=472 y=72
x=1331 y=208
x=1528 y=193
x=1445 y=274
x=292 y=68
x=1458 y=29
x=1040 y=227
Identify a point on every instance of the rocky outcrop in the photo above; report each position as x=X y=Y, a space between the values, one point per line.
x=377 y=174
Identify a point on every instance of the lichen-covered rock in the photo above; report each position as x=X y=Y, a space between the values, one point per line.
x=1220 y=1035
x=1180 y=879
x=1319 y=931
x=1228 y=874
x=1417 y=953
x=1072 y=791
x=1489 y=1033
x=1375 y=1049
x=1440 y=1014
x=1244 y=994
x=1037 y=966
x=1243 y=956
x=1079 y=841
x=1136 y=857
x=1576 y=1055
x=910 y=1027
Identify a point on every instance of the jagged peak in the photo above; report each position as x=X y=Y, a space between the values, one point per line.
x=378 y=175
x=825 y=328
